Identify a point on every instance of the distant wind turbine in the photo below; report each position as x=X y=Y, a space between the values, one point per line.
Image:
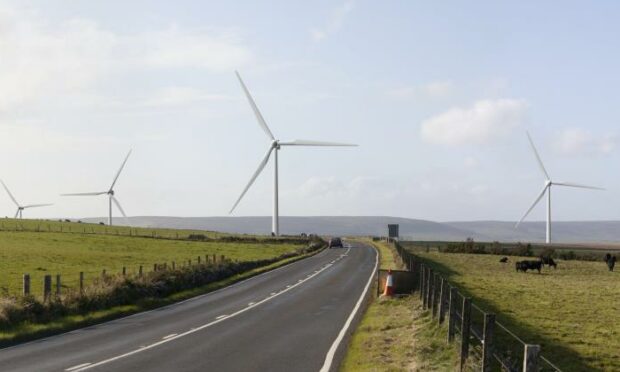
x=110 y=193
x=20 y=208
x=547 y=189
x=274 y=147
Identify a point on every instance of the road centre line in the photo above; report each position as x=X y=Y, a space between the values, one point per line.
x=153 y=345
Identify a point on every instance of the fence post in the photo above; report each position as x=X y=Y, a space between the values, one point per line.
x=452 y=314
x=124 y=271
x=487 y=342
x=57 y=285
x=442 y=300
x=436 y=292
x=214 y=258
x=429 y=287
x=154 y=267
x=174 y=265
x=530 y=358
x=422 y=269
x=465 y=324
x=222 y=258
x=47 y=287
x=26 y=284
x=103 y=273
x=81 y=282
x=198 y=260
x=140 y=271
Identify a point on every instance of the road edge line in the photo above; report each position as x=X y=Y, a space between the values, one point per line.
x=329 y=358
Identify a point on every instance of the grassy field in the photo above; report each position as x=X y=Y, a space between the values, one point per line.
x=572 y=312
x=72 y=251
x=395 y=334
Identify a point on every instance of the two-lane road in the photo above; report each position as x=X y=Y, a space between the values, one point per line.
x=291 y=319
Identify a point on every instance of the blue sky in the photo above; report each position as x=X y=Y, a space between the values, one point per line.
x=437 y=95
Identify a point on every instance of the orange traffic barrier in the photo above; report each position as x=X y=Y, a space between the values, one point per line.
x=389 y=284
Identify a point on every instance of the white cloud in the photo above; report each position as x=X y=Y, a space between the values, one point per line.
x=485 y=121
x=65 y=59
x=335 y=22
x=580 y=141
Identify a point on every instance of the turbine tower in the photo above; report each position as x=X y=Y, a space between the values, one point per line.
x=20 y=208
x=274 y=146
x=547 y=189
x=110 y=193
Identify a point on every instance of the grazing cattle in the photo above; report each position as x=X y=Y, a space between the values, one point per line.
x=528 y=265
x=503 y=259
x=611 y=261
x=548 y=261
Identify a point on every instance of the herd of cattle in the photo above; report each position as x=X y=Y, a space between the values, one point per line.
x=537 y=265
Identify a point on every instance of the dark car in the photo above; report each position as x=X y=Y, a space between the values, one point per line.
x=335 y=242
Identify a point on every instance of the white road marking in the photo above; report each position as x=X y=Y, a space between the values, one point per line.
x=273 y=293
x=170 y=335
x=329 y=358
x=153 y=345
x=251 y=303
x=78 y=366
x=221 y=317
x=288 y=286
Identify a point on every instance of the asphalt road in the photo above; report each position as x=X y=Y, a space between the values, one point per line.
x=295 y=318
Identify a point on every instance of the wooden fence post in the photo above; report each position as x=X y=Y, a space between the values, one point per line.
x=198 y=260
x=26 y=284
x=214 y=258
x=429 y=287
x=47 y=287
x=124 y=271
x=452 y=314
x=174 y=265
x=422 y=269
x=81 y=282
x=487 y=342
x=57 y=285
x=465 y=324
x=443 y=295
x=436 y=292
x=103 y=273
x=154 y=267
x=530 y=358
x=140 y=271
x=222 y=258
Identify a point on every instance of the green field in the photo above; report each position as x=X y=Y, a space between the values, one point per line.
x=72 y=251
x=572 y=312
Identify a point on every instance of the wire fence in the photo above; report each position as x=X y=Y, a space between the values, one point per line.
x=484 y=343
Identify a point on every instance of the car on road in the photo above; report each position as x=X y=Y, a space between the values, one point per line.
x=335 y=242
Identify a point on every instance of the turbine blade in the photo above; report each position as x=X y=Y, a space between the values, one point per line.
x=570 y=184
x=313 y=143
x=254 y=176
x=118 y=205
x=10 y=195
x=540 y=163
x=533 y=205
x=16 y=213
x=120 y=170
x=85 y=193
x=257 y=113
x=36 y=205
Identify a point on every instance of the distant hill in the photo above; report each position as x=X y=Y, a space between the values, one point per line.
x=567 y=232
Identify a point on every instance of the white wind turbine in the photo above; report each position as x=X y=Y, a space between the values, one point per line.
x=20 y=208
x=547 y=189
x=274 y=147
x=110 y=193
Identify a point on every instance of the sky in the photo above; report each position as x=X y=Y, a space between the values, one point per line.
x=438 y=95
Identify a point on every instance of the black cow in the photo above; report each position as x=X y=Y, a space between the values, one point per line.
x=548 y=261
x=528 y=265
x=611 y=261
x=503 y=259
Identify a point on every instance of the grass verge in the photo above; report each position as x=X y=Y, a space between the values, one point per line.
x=395 y=334
x=30 y=331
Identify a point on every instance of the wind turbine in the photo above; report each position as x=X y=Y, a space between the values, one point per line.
x=274 y=146
x=547 y=189
x=20 y=208
x=110 y=193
